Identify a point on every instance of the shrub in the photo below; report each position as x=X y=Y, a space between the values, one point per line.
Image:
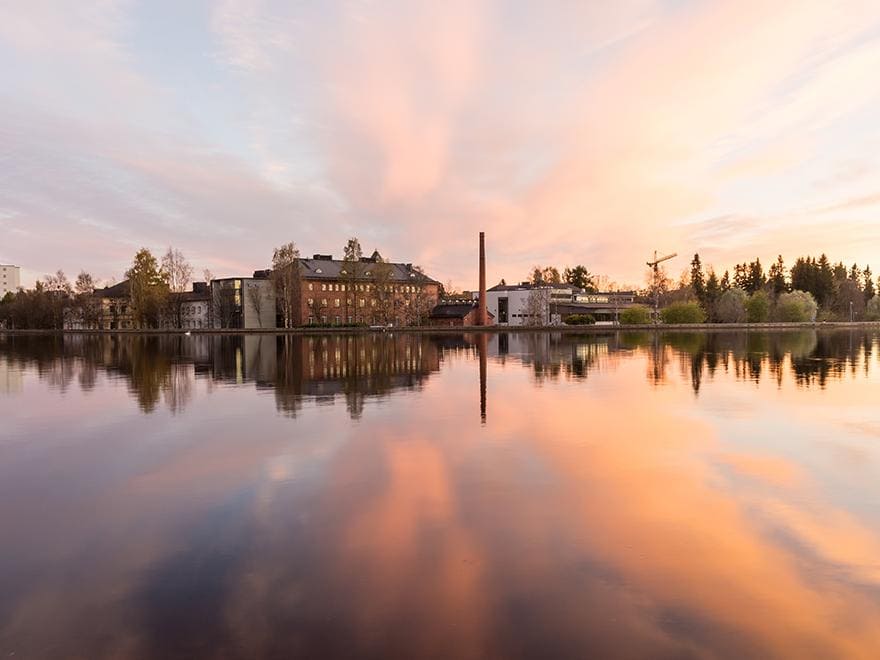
x=872 y=312
x=684 y=312
x=580 y=319
x=732 y=306
x=796 y=307
x=635 y=315
x=758 y=307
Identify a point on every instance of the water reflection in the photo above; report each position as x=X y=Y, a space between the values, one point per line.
x=515 y=495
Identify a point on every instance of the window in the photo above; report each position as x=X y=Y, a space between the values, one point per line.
x=311 y=320
x=361 y=302
x=336 y=303
x=323 y=302
x=324 y=320
x=337 y=320
x=311 y=301
x=323 y=287
x=311 y=286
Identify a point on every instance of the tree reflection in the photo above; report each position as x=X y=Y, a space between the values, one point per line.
x=355 y=368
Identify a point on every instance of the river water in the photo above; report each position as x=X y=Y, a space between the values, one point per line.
x=629 y=495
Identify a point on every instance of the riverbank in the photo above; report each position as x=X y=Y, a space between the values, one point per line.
x=565 y=329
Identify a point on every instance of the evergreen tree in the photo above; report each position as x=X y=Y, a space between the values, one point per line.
x=777 y=276
x=869 y=283
x=824 y=285
x=712 y=295
x=755 y=279
x=725 y=281
x=698 y=283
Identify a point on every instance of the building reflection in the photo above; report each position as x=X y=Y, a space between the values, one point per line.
x=324 y=369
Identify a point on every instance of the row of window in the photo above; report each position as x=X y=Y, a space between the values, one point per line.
x=366 y=287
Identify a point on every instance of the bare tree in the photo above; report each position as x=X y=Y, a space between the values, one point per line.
x=537 y=306
x=352 y=273
x=382 y=299
x=255 y=296
x=178 y=274
x=286 y=279
x=207 y=275
x=88 y=308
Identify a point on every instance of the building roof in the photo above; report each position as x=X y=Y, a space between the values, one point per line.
x=456 y=310
x=526 y=286
x=324 y=267
x=121 y=290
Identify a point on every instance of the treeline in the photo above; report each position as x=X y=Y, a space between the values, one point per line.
x=151 y=282
x=813 y=289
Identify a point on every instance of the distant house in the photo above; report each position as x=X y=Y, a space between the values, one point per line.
x=455 y=313
x=114 y=307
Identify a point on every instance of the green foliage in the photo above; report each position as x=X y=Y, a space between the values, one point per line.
x=758 y=307
x=149 y=289
x=732 y=306
x=683 y=312
x=698 y=282
x=796 y=307
x=635 y=315
x=872 y=313
x=580 y=277
x=580 y=319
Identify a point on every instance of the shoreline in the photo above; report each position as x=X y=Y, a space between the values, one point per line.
x=457 y=330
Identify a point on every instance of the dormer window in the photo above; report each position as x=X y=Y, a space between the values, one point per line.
x=368 y=273
x=318 y=270
x=343 y=271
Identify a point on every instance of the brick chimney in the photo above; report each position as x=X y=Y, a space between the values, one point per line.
x=482 y=316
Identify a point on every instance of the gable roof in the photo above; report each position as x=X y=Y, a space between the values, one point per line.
x=121 y=290
x=332 y=269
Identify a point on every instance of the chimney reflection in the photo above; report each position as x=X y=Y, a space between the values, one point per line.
x=482 y=350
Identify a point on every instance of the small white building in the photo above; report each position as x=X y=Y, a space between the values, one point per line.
x=10 y=279
x=526 y=303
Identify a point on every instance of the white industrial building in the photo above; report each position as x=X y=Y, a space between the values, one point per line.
x=10 y=279
x=526 y=303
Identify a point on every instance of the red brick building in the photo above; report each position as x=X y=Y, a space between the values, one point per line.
x=369 y=291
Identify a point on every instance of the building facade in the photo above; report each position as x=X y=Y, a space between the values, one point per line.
x=526 y=303
x=550 y=304
x=369 y=291
x=457 y=313
x=243 y=303
x=10 y=279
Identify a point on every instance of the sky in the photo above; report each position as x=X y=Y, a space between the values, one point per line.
x=570 y=132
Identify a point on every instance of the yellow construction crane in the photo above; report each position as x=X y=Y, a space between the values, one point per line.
x=655 y=267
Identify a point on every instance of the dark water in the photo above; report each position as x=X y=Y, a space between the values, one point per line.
x=511 y=496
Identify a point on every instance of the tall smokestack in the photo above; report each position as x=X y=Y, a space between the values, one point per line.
x=482 y=316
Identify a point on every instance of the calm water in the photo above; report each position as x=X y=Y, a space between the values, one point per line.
x=512 y=496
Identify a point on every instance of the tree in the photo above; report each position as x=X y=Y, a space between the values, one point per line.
x=796 y=307
x=849 y=301
x=352 y=273
x=178 y=274
x=777 y=276
x=149 y=289
x=872 y=312
x=725 y=281
x=87 y=307
x=868 y=288
x=712 y=295
x=698 y=282
x=635 y=315
x=824 y=285
x=537 y=307
x=580 y=277
x=285 y=279
x=755 y=279
x=382 y=299
x=545 y=275
x=732 y=306
x=758 y=307
x=683 y=312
